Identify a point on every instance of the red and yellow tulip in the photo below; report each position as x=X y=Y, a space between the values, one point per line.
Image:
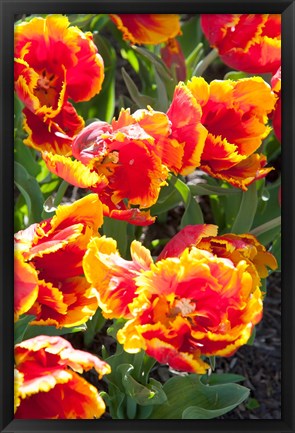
x=247 y=42
x=49 y=281
x=147 y=28
x=235 y=114
x=48 y=381
x=54 y=62
x=202 y=297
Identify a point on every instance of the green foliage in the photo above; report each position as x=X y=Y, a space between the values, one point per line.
x=194 y=400
x=30 y=189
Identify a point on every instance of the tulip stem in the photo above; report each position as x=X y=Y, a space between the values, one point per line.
x=203 y=64
x=60 y=193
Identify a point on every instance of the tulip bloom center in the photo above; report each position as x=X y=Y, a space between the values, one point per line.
x=183 y=306
x=46 y=89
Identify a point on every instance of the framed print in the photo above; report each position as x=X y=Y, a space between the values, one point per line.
x=147 y=182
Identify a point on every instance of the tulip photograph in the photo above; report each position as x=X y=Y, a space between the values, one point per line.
x=147 y=216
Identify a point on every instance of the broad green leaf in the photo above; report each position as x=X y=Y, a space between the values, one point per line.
x=118 y=231
x=205 y=189
x=141 y=100
x=189 y=398
x=246 y=213
x=20 y=327
x=30 y=189
x=219 y=379
x=26 y=157
x=35 y=330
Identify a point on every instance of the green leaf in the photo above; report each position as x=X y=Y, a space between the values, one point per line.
x=151 y=394
x=266 y=228
x=141 y=100
x=246 y=214
x=235 y=75
x=189 y=398
x=35 y=330
x=94 y=325
x=162 y=102
x=252 y=337
x=80 y=20
x=26 y=157
x=219 y=379
x=117 y=230
x=194 y=58
x=102 y=106
x=115 y=399
x=191 y=35
x=252 y=403
x=20 y=327
x=193 y=213
x=205 y=189
x=30 y=189
x=159 y=65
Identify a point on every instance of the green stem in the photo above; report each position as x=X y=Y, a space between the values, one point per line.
x=60 y=193
x=266 y=227
x=203 y=65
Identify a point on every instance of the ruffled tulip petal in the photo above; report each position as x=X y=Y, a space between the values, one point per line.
x=50 y=388
x=25 y=286
x=49 y=45
x=235 y=114
x=244 y=173
x=77 y=399
x=173 y=58
x=85 y=80
x=74 y=172
x=247 y=42
x=55 y=135
x=193 y=304
x=147 y=28
x=54 y=249
x=112 y=276
x=189 y=236
x=185 y=115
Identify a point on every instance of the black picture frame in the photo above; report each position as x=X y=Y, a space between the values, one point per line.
x=9 y=9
